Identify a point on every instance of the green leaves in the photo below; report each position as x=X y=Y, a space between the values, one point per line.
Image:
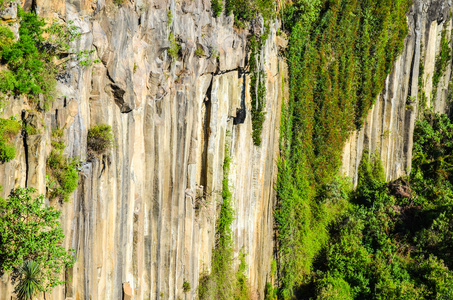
x=31 y=231
x=30 y=282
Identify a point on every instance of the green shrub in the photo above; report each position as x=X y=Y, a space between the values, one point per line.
x=173 y=51
x=99 y=140
x=186 y=287
x=30 y=282
x=224 y=282
x=64 y=176
x=199 y=52
x=30 y=59
x=217 y=7
x=8 y=129
x=30 y=230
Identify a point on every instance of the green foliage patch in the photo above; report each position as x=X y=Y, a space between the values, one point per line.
x=30 y=231
x=8 y=129
x=339 y=55
x=99 y=140
x=257 y=87
x=394 y=241
x=64 y=176
x=441 y=60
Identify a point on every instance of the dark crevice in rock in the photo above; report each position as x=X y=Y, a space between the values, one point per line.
x=241 y=113
x=118 y=96
x=206 y=134
x=24 y=138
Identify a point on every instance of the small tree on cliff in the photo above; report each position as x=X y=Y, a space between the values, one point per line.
x=29 y=231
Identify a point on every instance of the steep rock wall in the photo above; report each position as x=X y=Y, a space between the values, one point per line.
x=142 y=221
x=389 y=126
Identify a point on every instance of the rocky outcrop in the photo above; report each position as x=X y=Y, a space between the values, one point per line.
x=389 y=127
x=142 y=221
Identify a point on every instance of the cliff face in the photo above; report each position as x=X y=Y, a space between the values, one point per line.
x=143 y=220
x=390 y=123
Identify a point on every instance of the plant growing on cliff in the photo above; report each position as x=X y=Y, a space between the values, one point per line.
x=217 y=7
x=173 y=51
x=31 y=231
x=99 y=140
x=8 y=129
x=30 y=60
x=223 y=282
x=339 y=55
x=30 y=280
x=63 y=170
x=442 y=60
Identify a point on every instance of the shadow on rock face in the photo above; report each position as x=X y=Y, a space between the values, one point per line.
x=118 y=96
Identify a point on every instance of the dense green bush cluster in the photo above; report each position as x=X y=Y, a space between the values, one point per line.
x=393 y=245
x=64 y=176
x=339 y=55
x=8 y=129
x=30 y=69
x=99 y=140
x=30 y=231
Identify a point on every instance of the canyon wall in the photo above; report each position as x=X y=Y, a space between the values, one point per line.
x=143 y=219
x=389 y=126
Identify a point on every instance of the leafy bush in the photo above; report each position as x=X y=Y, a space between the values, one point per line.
x=100 y=140
x=186 y=287
x=62 y=169
x=217 y=7
x=173 y=51
x=199 y=52
x=8 y=129
x=30 y=59
x=31 y=231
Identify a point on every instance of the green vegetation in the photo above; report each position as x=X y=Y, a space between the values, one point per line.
x=99 y=140
x=30 y=60
x=63 y=172
x=246 y=11
x=257 y=87
x=394 y=241
x=30 y=280
x=29 y=231
x=169 y=18
x=8 y=129
x=217 y=7
x=173 y=51
x=199 y=52
x=223 y=282
x=339 y=55
x=186 y=287
x=30 y=67
x=441 y=61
